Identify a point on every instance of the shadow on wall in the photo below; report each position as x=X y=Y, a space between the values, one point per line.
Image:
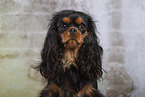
x=118 y=82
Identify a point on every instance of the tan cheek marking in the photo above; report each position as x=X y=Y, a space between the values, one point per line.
x=67 y=20
x=85 y=34
x=79 y=20
x=81 y=37
x=65 y=36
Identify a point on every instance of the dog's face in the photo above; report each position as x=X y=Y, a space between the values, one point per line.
x=72 y=29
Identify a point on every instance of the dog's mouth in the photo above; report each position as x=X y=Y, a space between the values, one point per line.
x=71 y=43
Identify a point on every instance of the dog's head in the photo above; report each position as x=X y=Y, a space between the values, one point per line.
x=69 y=29
x=72 y=27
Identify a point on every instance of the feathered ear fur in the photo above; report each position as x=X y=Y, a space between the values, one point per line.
x=90 y=54
x=51 y=53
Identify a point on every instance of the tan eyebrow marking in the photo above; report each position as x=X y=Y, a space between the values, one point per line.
x=66 y=20
x=79 y=20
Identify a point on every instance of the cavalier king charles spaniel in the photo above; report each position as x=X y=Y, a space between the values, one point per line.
x=71 y=56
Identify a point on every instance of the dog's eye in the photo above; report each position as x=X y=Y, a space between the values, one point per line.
x=63 y=26
x=82 y=27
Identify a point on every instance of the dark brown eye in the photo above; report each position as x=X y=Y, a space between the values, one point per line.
x=63 y=26
x=81 y=27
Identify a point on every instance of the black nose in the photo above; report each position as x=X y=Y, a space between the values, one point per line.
x=72 y=31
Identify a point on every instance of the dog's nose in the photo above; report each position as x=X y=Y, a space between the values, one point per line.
x=72 y=31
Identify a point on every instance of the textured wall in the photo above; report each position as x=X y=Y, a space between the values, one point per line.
x=21 y=38
x=23 y=26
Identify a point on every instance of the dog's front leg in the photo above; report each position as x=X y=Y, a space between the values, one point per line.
x=86 y=91
x=52 y=90
x=89 y=91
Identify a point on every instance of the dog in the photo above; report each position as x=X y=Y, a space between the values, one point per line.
x=71 y=58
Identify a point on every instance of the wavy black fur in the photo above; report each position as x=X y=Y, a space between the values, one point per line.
x=51 y=53
x=89 y=60
x=90 y=55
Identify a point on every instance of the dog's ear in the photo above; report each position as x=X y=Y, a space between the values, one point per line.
x=90 y=54
x=51 y=52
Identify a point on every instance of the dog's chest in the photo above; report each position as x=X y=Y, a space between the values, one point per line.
x=69 y=58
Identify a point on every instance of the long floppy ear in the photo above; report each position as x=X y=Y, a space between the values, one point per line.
x=51 y=53
x=90 y=54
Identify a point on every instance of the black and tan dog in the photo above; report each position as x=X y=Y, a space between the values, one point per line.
x=71 y=56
